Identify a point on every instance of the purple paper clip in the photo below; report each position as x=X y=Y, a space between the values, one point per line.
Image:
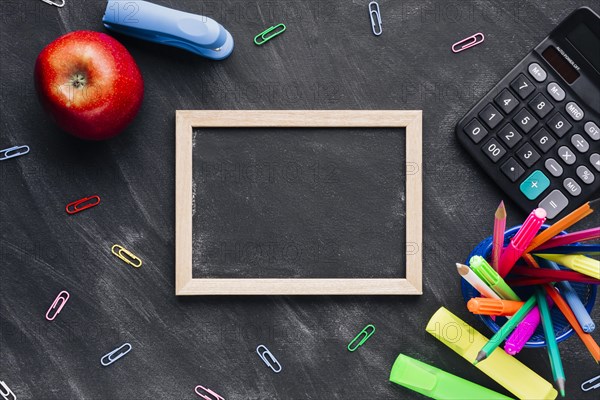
x=469 y=42
x=205 y=397
x=62 y=299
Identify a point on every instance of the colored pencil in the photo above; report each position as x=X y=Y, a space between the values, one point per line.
x=570 y=238
x=562 y=305
x=528 y=281
x=561 y=275
x=553 y=353
x=518 y=244
x=475 y=281
x=576 y=262
x=498 y=237
x=572 y=298
x=562 y=224
x=586 y=249
x=505 y=330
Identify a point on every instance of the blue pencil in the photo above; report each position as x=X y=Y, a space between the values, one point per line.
x=585 y=249
x=570 y=295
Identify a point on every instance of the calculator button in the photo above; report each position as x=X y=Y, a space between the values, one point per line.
x=493 y=150
x=555 y=91
x=543 y=140
x=506 y=101
x=475 y=131
x=574 y=111
x=554 y=203
x=592 y=130
x=510 y=136
x=572 y=187
x=567 y=155
x=559 y=125
x=537 y=72
x=534 y=185
x=491 y=116
x=525 y=120
x=553 y=167
x=585 y=175
x=541 y=105
x=528 y=155
x=595 y=161
x=512 y=169
x=580 y=143
x=522 y=86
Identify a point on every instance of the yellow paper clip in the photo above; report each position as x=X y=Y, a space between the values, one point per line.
x=126 y=256
x=362 y=337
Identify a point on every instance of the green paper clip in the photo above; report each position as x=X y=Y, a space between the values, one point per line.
x=367 y=331
x=263 y=35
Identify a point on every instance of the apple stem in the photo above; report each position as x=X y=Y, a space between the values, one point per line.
x=78 y=80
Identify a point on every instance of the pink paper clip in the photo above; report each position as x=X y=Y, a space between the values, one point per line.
x=205 y=397
x=82 y=204
x=468 y=42
x=62 y=299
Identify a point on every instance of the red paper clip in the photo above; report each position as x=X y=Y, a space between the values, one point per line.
x=76 y=206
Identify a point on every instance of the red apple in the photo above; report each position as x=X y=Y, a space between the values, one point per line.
x=89 y=83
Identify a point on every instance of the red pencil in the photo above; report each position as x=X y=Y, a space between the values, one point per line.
x=562 y=275
x=529 y=281
x=498 y=238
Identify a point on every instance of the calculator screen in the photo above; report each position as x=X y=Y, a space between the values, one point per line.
x=588 y=44
x=561 y=65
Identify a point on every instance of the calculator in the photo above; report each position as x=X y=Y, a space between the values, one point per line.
x=536 y=133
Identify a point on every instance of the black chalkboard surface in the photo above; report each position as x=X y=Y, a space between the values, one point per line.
x=299 y=203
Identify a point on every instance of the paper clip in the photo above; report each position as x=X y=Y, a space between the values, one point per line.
x=8 y=392
x=54 y=3
x=469 y=42
x=126 y=256
x=367 y=331
x=13 y=152
x=82 y=204
x=375 y=14
x=262 y=36
x=265 y=355
x=109 y=356
x=205 y=397
x=62 y=299
x=591 y=384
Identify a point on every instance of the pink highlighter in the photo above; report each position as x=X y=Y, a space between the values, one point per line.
x=524 y=330
x=518 y=244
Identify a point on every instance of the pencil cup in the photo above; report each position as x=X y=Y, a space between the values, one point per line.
x=562 y=329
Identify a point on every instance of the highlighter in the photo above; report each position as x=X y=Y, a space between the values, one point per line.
x=485 y=271
x=509 y=372
x=524 y=331
x=436 y=383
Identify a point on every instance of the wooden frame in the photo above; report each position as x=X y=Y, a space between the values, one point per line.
x=186 y=121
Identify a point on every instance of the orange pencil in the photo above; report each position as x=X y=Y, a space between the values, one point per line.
x=562 y=224
x=486 y=306
x=562 y=305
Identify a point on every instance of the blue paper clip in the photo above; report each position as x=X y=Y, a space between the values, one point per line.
x=5 y=392
x=375 y=14
x=109 y=357
x=362 y=337
x=269 y=359
x=13 y=152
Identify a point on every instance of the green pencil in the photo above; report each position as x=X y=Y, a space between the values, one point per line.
x=505 y=330
x=485 y=271
x=553 y=353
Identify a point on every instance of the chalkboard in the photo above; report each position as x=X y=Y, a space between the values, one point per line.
x=316 y=205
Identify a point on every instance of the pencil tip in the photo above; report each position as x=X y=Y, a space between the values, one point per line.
x=462 y=269
x=501 y=211
x=561 y=386
x=480 y=357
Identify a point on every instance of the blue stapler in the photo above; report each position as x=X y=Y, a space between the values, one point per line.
x=148 y=21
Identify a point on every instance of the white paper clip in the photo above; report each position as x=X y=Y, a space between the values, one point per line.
x=467 y=43
x=109 y=357
x=375 y=15
x=265 y=356
x=205 y=397
x=591 y=384
x=55 y=3
x=5 y=395
x=13 y=152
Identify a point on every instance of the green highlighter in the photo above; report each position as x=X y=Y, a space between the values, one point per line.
x=437 y=384
x=485 y=271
